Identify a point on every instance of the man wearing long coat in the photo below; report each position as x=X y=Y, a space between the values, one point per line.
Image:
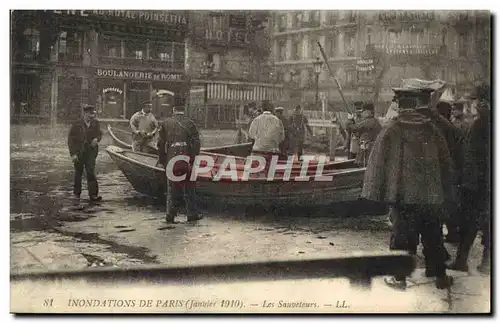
x=179 y=136
x=367 y=130
x=410 y=169
x=476 y=187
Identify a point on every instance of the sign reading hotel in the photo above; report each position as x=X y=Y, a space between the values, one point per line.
x=137 y=75
x=164 y=17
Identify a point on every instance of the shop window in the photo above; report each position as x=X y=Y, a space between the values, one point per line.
x=110 y=46
x=110 y=99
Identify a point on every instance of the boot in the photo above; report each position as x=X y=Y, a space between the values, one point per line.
x=484 y=266
x=444 y=282
x=463 y=251
x=395 y=283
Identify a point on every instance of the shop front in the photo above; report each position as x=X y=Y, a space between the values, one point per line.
x=219 y=104
x=120 y=92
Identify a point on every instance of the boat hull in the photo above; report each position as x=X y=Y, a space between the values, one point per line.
x=146 y=178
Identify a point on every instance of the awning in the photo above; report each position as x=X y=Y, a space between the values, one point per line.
x=243 y=92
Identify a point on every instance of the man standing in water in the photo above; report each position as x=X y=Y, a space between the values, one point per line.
x=179 y=136
x=410 y=168
x=144 y=126
x=84 y=136
x=297 y=125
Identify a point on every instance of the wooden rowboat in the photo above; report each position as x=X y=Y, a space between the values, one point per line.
x=123 y=139
x=345 y=185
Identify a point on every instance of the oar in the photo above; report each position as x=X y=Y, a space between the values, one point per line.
x=325 y=60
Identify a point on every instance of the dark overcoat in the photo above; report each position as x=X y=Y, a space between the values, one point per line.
x=178 y=128
x=80 y=137
x=477 y=160
x=409 y=164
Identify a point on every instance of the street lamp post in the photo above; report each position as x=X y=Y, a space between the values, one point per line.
x=206 y=68
x=318 y=64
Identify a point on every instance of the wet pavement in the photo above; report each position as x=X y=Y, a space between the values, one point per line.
x=127 y=229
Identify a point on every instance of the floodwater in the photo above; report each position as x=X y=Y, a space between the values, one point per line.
x=128 y=228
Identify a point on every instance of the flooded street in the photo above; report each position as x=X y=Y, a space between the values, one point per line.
x=129 y=228
x=49 y=231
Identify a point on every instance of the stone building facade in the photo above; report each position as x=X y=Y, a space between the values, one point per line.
x=372 y=51
x=215 y=61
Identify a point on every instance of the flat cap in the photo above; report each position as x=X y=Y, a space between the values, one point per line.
x=279 y=109
x=147 y=102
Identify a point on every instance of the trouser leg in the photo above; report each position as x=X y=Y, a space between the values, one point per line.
x=77 y=184
x=90 y=160
x=403 y=235
x=429 y=224
x=171 y=209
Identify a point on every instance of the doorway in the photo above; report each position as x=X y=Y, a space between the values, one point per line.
x=138 y=92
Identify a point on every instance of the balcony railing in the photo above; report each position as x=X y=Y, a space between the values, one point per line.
x=410 y=50
x=150 y=63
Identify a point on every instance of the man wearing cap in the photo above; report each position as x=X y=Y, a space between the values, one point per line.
x=297 y=125
x=476 y=189
x=409 y=169
x=367 y=131
x=267 y=131
x=84 y=136
x=179 y=136
x=279 y=111
x=144 y=126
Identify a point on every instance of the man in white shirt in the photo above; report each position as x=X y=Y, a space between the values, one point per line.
x=144 y=127
x=268 y=132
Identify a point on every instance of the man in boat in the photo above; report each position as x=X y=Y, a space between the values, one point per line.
x=476 y=189
x=297 y=125
x=352 y=141
x=279 y=112
x=84 y=136
x=410 y=169
x=267 y=131
x=179 y=136
x=144 y=127
x=367 y=131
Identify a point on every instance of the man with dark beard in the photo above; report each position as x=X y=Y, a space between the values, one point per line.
x=410 y=169
x=476 y=189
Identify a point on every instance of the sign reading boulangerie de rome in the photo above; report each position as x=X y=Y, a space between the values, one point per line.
x=118 y=73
